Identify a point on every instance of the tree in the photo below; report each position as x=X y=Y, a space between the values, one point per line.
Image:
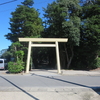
x=16 y=52
x=25 y=22
x=2 y=52
x=6 y=55
x=87 y=54
x=89 y=49
x=62 y=21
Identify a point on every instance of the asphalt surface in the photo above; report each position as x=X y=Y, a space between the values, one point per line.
x=50 y=81
x=48 y=85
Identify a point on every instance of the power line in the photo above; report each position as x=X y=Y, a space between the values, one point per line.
x=7 y=2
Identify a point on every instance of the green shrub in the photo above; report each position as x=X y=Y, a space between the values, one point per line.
x=15 y=67
x=95 y=63
x=98 y=62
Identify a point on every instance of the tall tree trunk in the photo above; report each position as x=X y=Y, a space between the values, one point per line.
x=69 y=58
x=16 y=55
x=63 y=61
x=66 y=52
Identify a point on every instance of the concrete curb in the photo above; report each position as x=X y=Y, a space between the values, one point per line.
x=45 y=89
x=54 y=73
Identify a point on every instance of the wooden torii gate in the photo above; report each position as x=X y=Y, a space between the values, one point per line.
x=55 y=40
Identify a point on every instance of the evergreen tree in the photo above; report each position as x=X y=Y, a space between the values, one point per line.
x=90 y=34
x=63 y=22
x=25 y=22
x=91 y=23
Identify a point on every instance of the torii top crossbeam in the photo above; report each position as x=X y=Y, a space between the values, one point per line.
x=43 y=39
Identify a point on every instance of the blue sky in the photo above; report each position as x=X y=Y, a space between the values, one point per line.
x=5 y=15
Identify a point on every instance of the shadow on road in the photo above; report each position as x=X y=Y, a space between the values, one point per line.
x=96 y=89
x=19 y=88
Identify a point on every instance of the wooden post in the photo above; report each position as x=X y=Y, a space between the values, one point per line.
x=28 y=57
x=58 y=58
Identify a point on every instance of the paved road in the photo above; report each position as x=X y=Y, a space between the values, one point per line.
x=49 y=86
x=49 y=81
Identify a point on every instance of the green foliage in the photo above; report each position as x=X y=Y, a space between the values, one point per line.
x=15 y=67
x=63 y=21
x=25 y=22
x=7 y=55
x=90 y=35
x=28 y=3
x=91 y=24
x=16 y=49
x=19 y=54
x=97 y=63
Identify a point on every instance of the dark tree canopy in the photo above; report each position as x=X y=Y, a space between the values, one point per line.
x=63 y=21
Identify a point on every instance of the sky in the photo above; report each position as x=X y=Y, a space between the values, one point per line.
x=5 y=15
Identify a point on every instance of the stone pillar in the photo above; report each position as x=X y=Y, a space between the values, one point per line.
x=58 y=58
x=28 y=57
